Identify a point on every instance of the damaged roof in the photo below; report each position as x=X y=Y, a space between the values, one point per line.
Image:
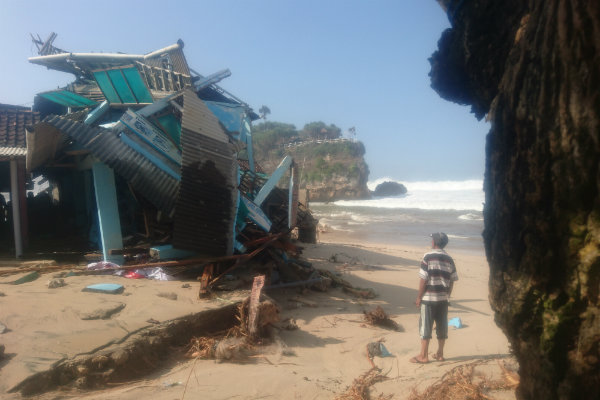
x=173 y=137
x=13 y=121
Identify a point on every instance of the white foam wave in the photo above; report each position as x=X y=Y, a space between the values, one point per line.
x=457 y=236
x=457 y=203
x=437 y=186
x=471 y=217
x=428 y=195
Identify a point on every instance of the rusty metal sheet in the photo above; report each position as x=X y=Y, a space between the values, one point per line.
x=206 y=204
x=198 y=118
x=174 y=59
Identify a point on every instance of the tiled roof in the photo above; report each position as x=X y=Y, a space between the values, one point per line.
x=13 y=120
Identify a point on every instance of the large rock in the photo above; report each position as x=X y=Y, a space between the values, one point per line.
x=533 y=68
x=389 y=188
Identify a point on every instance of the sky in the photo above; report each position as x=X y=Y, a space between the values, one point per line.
x=351 y=63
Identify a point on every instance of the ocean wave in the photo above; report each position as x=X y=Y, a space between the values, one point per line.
x=467 y=203
x=457 y=236
x=471 y=217
x=436 y=186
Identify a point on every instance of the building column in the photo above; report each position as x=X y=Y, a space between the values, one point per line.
x=21 y=181
x=15 y=204
x=108 y=211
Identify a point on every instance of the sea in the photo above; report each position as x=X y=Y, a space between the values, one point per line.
x=453 y=207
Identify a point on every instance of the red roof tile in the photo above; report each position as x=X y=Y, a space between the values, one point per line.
x=13 y=120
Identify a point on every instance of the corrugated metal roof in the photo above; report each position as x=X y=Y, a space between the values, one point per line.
x=206 y=204
x=87 y=88
x=174 y=58
x=157 y=186
x=198 y=118
x=67 y=98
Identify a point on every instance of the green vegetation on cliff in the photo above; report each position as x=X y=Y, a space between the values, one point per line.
x=330 y=166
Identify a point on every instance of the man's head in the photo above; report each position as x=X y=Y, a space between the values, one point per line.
x=439 y=239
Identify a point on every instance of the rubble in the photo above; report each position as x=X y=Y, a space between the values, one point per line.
x=153 y=164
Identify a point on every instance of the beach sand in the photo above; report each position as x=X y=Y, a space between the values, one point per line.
x=320 y=360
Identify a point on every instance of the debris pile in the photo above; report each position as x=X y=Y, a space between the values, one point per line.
x=462 y=383
x=153 y=163
x=255 y=316
x=360 y=388
x=378 y=317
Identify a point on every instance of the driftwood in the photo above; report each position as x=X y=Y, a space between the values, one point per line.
x=378 y=317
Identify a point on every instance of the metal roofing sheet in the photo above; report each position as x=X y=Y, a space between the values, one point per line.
x=156 y=185
x=68 y=99
x=206 y=204
x=174 y=58
x=198 y=118
x=230 y=115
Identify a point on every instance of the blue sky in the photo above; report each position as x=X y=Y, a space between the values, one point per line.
x=351 y=63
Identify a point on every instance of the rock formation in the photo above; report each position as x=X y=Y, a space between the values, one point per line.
x=389 y=188
x=534 y=68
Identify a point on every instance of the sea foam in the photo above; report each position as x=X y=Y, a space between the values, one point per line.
x=427 y=195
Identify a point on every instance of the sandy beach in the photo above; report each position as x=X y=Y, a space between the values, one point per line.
x=319 y=360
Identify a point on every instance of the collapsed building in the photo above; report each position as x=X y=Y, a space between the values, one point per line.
x=144 y=156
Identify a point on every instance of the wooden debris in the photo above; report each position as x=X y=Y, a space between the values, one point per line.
x=304 y=301
x=365 y=293
x=378 y=317
x=237 y=344
x=204 y=280
x=257 y=285
x=202 y=347
x=361 y=387
x=461 y=383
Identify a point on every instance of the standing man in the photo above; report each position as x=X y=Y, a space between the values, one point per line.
x=437 y=275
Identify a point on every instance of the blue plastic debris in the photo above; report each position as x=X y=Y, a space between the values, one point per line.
x=455 y=322
x=384 y=351
x=108 y=288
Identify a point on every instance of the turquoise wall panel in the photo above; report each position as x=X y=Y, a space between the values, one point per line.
x=120 y=84
x=137 y=85
x=106 y=86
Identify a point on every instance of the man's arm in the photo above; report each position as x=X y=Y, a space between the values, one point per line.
x=450 y=287
x=422 y=285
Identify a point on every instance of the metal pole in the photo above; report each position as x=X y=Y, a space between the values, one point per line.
x=14 y=199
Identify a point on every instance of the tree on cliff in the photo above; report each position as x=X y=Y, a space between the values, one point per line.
x=271 y=135
x=533 y=68
x=320 y=130
x=264 y=111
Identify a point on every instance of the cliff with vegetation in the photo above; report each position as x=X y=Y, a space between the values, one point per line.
x=329 y=166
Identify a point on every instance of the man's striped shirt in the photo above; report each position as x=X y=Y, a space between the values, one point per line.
x=438 y=270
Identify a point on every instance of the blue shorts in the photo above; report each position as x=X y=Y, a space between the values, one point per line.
x=431 y=312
